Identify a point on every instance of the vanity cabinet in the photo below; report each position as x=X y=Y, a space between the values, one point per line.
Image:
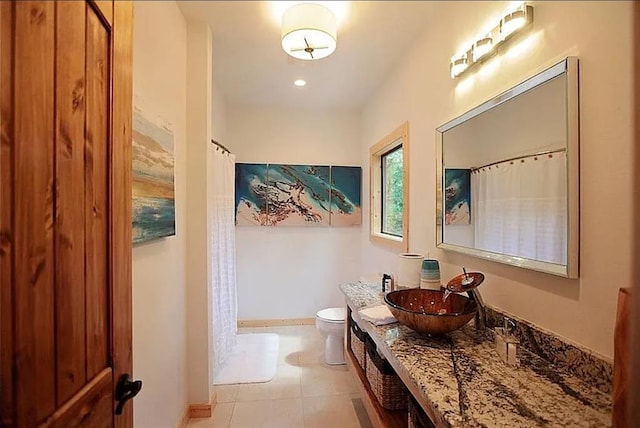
x=459 y=380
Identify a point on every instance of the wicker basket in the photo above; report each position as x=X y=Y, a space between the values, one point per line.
x=358 y=339
x=417 y=417
x=385 y=383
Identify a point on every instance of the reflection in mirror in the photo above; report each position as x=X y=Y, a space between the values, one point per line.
x=507 y=176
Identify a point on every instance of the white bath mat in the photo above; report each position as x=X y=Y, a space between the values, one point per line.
x=253 y=360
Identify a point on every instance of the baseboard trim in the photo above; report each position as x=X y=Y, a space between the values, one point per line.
x=198 y=410
x=276 y=322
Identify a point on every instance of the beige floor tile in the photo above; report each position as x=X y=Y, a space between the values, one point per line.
x=284 y=331
x=285 y=384
x=311 y=357
x=330 y=411
x=289 y=345
x=287 y=374
x=285 y=413
x=268 y=391
x=322 y=379
x=221 y=417
x=227 y=393
x=305 y=392
x=288 y=358
x=312 y=353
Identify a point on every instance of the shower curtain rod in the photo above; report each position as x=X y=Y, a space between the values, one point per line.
x=548 y=152
x=224 y=149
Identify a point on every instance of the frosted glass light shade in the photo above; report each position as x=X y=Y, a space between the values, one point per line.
x=309 y=31
x=512 y=22
x=458 y=65
x=482 y=47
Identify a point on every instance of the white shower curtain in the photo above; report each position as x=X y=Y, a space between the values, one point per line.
x=520 y=209
x=222 y=253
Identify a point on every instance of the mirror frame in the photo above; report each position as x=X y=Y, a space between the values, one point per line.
x=568 y=66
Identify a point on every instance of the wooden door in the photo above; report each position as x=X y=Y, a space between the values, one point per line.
x=65 y=204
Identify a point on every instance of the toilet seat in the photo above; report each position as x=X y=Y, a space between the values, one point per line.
x=332 y=315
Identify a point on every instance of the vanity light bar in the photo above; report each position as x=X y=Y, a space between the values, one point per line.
x=483 y=47
x=458 y=65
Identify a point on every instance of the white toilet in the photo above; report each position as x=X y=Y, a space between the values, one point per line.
x=330 y=323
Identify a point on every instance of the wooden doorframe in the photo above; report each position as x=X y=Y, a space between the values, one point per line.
x=633 y=397
x=121 y=247
x=6 y=216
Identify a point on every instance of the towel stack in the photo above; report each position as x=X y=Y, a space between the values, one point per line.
x=377 y=315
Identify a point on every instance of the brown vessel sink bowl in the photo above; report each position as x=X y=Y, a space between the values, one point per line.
x=426 y=312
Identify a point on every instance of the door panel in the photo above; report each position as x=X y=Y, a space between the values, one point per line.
x=91 y=407
x=97 y=155
x=70 y=250
x=65 y=221
x=34 y=354
x=105 y=7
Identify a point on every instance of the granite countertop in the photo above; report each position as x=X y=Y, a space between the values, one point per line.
x=462 y=382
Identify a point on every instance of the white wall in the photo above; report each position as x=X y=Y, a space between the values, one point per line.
x=421 y=91
x=198 y=133
x=218 y=112
x=218 y=133
x=159 y=287
x=292 y=272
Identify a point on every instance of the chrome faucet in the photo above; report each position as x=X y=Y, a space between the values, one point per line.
x=481 y=316
x=469 y=282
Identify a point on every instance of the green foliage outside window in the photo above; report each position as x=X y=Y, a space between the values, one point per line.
x=392 y=192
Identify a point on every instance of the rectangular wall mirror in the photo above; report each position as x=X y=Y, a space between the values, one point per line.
x=507 y=176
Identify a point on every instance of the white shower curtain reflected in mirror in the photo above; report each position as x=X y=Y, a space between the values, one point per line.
x=222 y=253
x=520 y=208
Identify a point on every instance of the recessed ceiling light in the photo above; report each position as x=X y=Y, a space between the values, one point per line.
x=300 y=82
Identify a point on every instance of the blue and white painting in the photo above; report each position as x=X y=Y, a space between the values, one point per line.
x=346 y=194
x=457 y=199
x=153 y=181
x=298 y=195
x=251 y=194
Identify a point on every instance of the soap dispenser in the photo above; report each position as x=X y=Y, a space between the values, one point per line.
x=507 y=343
x=388 y=283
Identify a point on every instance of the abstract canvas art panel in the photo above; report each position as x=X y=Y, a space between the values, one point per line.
x=298 y=195
x=153 y=181
x=252 y=191
x=346 y=194
x=457 y=199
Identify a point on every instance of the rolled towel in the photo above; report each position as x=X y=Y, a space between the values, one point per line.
x=378 y=315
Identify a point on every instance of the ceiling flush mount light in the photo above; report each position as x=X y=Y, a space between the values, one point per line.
x=309 y=31
x=483 y=47
x=299 y=82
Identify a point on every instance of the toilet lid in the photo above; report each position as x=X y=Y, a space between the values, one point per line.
x=332 y=314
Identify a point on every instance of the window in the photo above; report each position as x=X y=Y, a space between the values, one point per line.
x=391 y=186
x=389 y=179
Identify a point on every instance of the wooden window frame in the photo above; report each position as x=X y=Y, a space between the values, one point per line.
x=397 y=137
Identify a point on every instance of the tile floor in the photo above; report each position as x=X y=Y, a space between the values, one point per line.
x=305 y=392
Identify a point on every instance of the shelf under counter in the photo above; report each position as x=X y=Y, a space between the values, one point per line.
x=379 y=416
x=459 y=380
